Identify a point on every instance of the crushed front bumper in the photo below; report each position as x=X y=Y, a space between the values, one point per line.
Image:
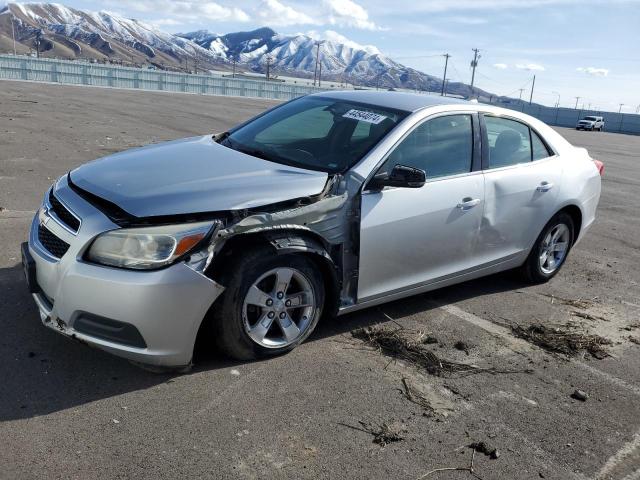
x=151 y=317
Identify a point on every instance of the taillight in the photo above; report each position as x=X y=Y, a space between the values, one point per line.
x=599 y=166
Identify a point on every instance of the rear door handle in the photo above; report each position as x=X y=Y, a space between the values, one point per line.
x=544 y=187
x=468 y=203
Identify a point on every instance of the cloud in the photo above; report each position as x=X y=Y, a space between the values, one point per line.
x=484 y=5
x=335 y=37
x=530 y=66
x=185 y=11
x=341 y=13
x=467 y=20
x=164 y=22
x=594 y=72
x=348 y=13
x=275 y=12
x=500 y=66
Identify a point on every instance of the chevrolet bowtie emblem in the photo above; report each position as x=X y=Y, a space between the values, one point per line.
x=43 y=216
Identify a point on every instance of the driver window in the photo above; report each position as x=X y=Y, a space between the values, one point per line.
x=441 y=146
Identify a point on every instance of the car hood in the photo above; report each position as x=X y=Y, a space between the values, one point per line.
x=193 y=175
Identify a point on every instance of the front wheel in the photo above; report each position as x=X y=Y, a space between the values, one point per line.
x=272 y=303
x=550 y=250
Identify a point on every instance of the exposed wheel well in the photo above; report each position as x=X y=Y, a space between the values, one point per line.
x=576 y=215
x=308 y=244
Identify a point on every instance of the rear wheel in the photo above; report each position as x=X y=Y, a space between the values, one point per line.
x=550 y=250
x=272 y=303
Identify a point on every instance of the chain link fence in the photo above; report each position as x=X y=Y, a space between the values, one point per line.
x=568 y=117
x=83 y=73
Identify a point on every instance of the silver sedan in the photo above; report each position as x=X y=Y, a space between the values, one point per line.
x=321 y=206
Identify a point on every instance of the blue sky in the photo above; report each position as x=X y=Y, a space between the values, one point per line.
x=587 y=48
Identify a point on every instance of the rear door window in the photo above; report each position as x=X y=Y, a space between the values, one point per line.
x=509 y=142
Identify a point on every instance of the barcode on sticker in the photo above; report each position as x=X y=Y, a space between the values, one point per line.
x=363 y=116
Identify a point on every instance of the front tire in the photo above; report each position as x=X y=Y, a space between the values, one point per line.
x=550 y=249
x=272 y=303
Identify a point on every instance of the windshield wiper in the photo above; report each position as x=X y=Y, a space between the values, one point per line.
x=254 y=152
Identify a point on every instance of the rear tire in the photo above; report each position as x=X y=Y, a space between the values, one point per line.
x=550 y=250
x=255 y=317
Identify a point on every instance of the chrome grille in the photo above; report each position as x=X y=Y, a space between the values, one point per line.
x=63 y=213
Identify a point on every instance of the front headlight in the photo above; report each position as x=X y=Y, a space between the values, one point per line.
x=149 y=247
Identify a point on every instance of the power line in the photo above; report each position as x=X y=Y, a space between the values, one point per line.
x=418 y=56
x=455 y=70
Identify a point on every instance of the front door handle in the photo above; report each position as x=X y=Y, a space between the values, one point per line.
x=468 y=203
x=545 y=186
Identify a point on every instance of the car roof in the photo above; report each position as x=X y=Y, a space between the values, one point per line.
x=409 y=102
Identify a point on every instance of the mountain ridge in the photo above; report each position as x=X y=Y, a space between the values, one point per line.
x=105 y=36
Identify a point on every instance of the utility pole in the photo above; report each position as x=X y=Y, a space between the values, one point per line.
x=474 y=64
x=38 y=35
x=576 y=107
x=557 y=101
x=13 y=33
x=319 y=73
x=444 y=77
x=521 y=91
x=315 y=71
x=268 y=65
x=620 y=109
x=234 y=61
x=533 y=85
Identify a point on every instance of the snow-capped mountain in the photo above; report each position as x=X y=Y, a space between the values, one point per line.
x=65 y=32
x=70 y=33
x=296 y=55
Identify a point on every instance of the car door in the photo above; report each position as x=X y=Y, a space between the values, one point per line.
x=414 y=236
x=522 y=179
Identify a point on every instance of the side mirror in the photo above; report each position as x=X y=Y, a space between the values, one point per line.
x=400 y=176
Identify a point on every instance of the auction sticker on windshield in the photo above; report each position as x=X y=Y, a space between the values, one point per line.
x=363 y=116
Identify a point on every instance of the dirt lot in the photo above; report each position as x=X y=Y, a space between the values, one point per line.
x=67 y=411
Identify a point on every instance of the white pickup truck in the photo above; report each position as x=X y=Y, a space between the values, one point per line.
x=591 y=123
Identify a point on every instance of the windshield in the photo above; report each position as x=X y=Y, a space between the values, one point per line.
x=315 y=133
x=592 y=119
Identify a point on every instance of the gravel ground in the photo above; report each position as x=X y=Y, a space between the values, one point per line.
x=68 y=411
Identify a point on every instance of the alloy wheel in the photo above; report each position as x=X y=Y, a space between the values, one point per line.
x=554 y=248
x=278 y=308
